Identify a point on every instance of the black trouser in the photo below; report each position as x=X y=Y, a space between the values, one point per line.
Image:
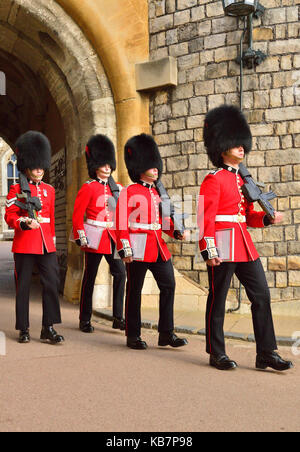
x=163 y=273
x=117 y=269
x=252 y=276
x=49 y=276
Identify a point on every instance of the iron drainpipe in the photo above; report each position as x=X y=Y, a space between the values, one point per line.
x=241 y=107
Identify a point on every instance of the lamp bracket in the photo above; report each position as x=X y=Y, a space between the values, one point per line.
x=252 y=58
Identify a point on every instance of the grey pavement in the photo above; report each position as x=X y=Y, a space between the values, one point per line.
x=94 y=383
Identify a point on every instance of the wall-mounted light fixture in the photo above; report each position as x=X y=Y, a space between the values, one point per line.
x=240 y=8
x=246 y=10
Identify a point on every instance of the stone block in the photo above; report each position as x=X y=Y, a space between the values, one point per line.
x=188 y=31
x=294 y=278
x=184 y=4
x=187 y=178
x=156 y=74
x=263 y=34
x=271 y=174
x=177 y=163
x=277 y=263
x=181 y=17
x=280 y=47
x=161 y=23
x=280 y=157
x=294 y=262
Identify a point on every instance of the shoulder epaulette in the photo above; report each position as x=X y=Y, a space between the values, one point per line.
x=90 y=181
x=216 y=171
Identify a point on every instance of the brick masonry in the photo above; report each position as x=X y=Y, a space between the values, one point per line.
x=206 y=44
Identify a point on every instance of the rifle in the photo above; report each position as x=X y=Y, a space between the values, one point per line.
x=112 y=201
x=31 y=204
x=168 y=210
x=253 y=193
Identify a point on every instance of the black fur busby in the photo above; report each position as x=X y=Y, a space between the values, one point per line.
x=33 y=151
x=100 y=151
x=142 y=154
x=225 y=127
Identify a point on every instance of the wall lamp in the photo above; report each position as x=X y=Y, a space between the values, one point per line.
x=246 y=10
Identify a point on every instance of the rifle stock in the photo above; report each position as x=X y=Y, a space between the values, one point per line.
x=253 y=193
x=31 y=204
x=168 y=209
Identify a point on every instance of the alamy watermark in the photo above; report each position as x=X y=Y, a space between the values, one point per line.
x=2 y=84
x=2 y=344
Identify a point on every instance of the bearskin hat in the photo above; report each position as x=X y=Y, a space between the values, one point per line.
x=225 y=127
x=33 y=151
x=99 y=151
x=142 y=154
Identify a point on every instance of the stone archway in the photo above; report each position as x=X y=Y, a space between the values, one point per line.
x=56 y=84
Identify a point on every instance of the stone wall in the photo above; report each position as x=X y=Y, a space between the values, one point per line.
x=206 y=44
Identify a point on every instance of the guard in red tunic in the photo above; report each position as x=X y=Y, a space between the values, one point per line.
x=139 y=224
x=97 y=201
x=34 y=240
x=225 y=243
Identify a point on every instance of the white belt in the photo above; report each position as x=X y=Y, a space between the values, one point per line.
x=231 y=218
x=101 y=224
x=43 y=220
x=148 y=227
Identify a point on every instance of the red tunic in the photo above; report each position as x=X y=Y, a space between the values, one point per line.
x=139 y=203
x=92 y=202
x=32 y=241
x=222 y=194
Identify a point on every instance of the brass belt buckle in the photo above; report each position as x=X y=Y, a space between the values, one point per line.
x=156 y=226
x=240 y=218
x=40 y=219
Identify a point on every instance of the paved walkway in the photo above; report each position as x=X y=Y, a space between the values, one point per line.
x=95 y=383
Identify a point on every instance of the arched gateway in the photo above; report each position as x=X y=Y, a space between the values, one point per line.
x=55 y=83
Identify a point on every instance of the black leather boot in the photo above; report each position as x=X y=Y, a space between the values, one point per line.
x=86 y=327
x=136 y=343
x=273 y=360
x=48 y=334
x=222 y=362
x=118 y=324
x=24 y=337
x=171 y=339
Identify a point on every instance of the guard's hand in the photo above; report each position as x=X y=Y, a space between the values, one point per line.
x=128 y=260
x=82 y=242
x=214 y=262
x=278 y=218
x=32 y=224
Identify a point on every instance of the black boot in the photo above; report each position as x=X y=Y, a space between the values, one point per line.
x=171 y=339
x=86 y=327
x=222 y=362
x=136 y=343
x=48 y=333
x=273 y=360
x=118 y=324
x=24 y=337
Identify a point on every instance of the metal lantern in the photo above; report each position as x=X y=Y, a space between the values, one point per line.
x=240 y=7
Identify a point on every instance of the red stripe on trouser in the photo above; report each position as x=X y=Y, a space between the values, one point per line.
x=211 y=308
x=16 y=280
x=83 y=284
x=127 y=297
